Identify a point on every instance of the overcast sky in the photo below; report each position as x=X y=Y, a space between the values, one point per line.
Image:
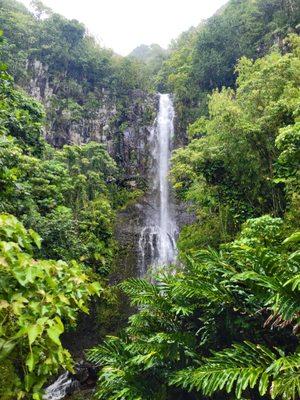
x=124 y=24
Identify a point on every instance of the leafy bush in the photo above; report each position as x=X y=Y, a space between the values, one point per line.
x=232 y=169
x=37 y=297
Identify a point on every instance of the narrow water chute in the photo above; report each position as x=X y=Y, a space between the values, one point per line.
x=157 y=242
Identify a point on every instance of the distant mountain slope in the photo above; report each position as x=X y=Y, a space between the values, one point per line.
x=146 y=52
x=152 y=55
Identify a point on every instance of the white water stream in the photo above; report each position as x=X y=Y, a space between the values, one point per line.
x=157 y=242
x=60 y=388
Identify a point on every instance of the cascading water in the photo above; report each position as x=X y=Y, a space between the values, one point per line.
x=157 y=242
x=61 y=387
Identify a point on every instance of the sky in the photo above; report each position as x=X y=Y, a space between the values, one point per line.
x=124 y=24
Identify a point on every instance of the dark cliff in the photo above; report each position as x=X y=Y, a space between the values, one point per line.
x=123 y=124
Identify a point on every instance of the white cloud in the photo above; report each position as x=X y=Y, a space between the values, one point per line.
x=124 y=24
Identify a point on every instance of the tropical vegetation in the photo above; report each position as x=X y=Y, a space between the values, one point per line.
x=225 y=322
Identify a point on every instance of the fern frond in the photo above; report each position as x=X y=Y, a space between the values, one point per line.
x=142 y=292
x=279 y=296
x=294 y=283
x=111 y=351
x=135 y=286
x=243 y=365
x=286 y=372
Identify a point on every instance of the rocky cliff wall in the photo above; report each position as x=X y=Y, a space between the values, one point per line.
x=122 y=123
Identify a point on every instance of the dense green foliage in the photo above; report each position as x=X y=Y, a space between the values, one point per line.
x=242 y=154
x=21 y=116
x=70 y=197
x=35 y=297
x=63 y=194
x=241 y=304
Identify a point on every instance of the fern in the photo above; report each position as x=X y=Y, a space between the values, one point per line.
x=282 y=297
x=294 y=283
x=140 y=291
x=113 y=350
x=243 y=365
x=252 y=283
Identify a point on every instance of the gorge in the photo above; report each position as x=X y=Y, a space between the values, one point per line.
x=149 y=208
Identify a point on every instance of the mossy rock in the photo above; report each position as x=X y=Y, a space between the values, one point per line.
x=82 y=395
x=8 y=380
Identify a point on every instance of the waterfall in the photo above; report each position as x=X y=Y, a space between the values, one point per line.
x=61 y=387
x=157 y=242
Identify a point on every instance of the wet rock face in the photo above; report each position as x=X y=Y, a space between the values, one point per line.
x=122 y=123
x=131 y=140
x=129 y=224
x=85 y=374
